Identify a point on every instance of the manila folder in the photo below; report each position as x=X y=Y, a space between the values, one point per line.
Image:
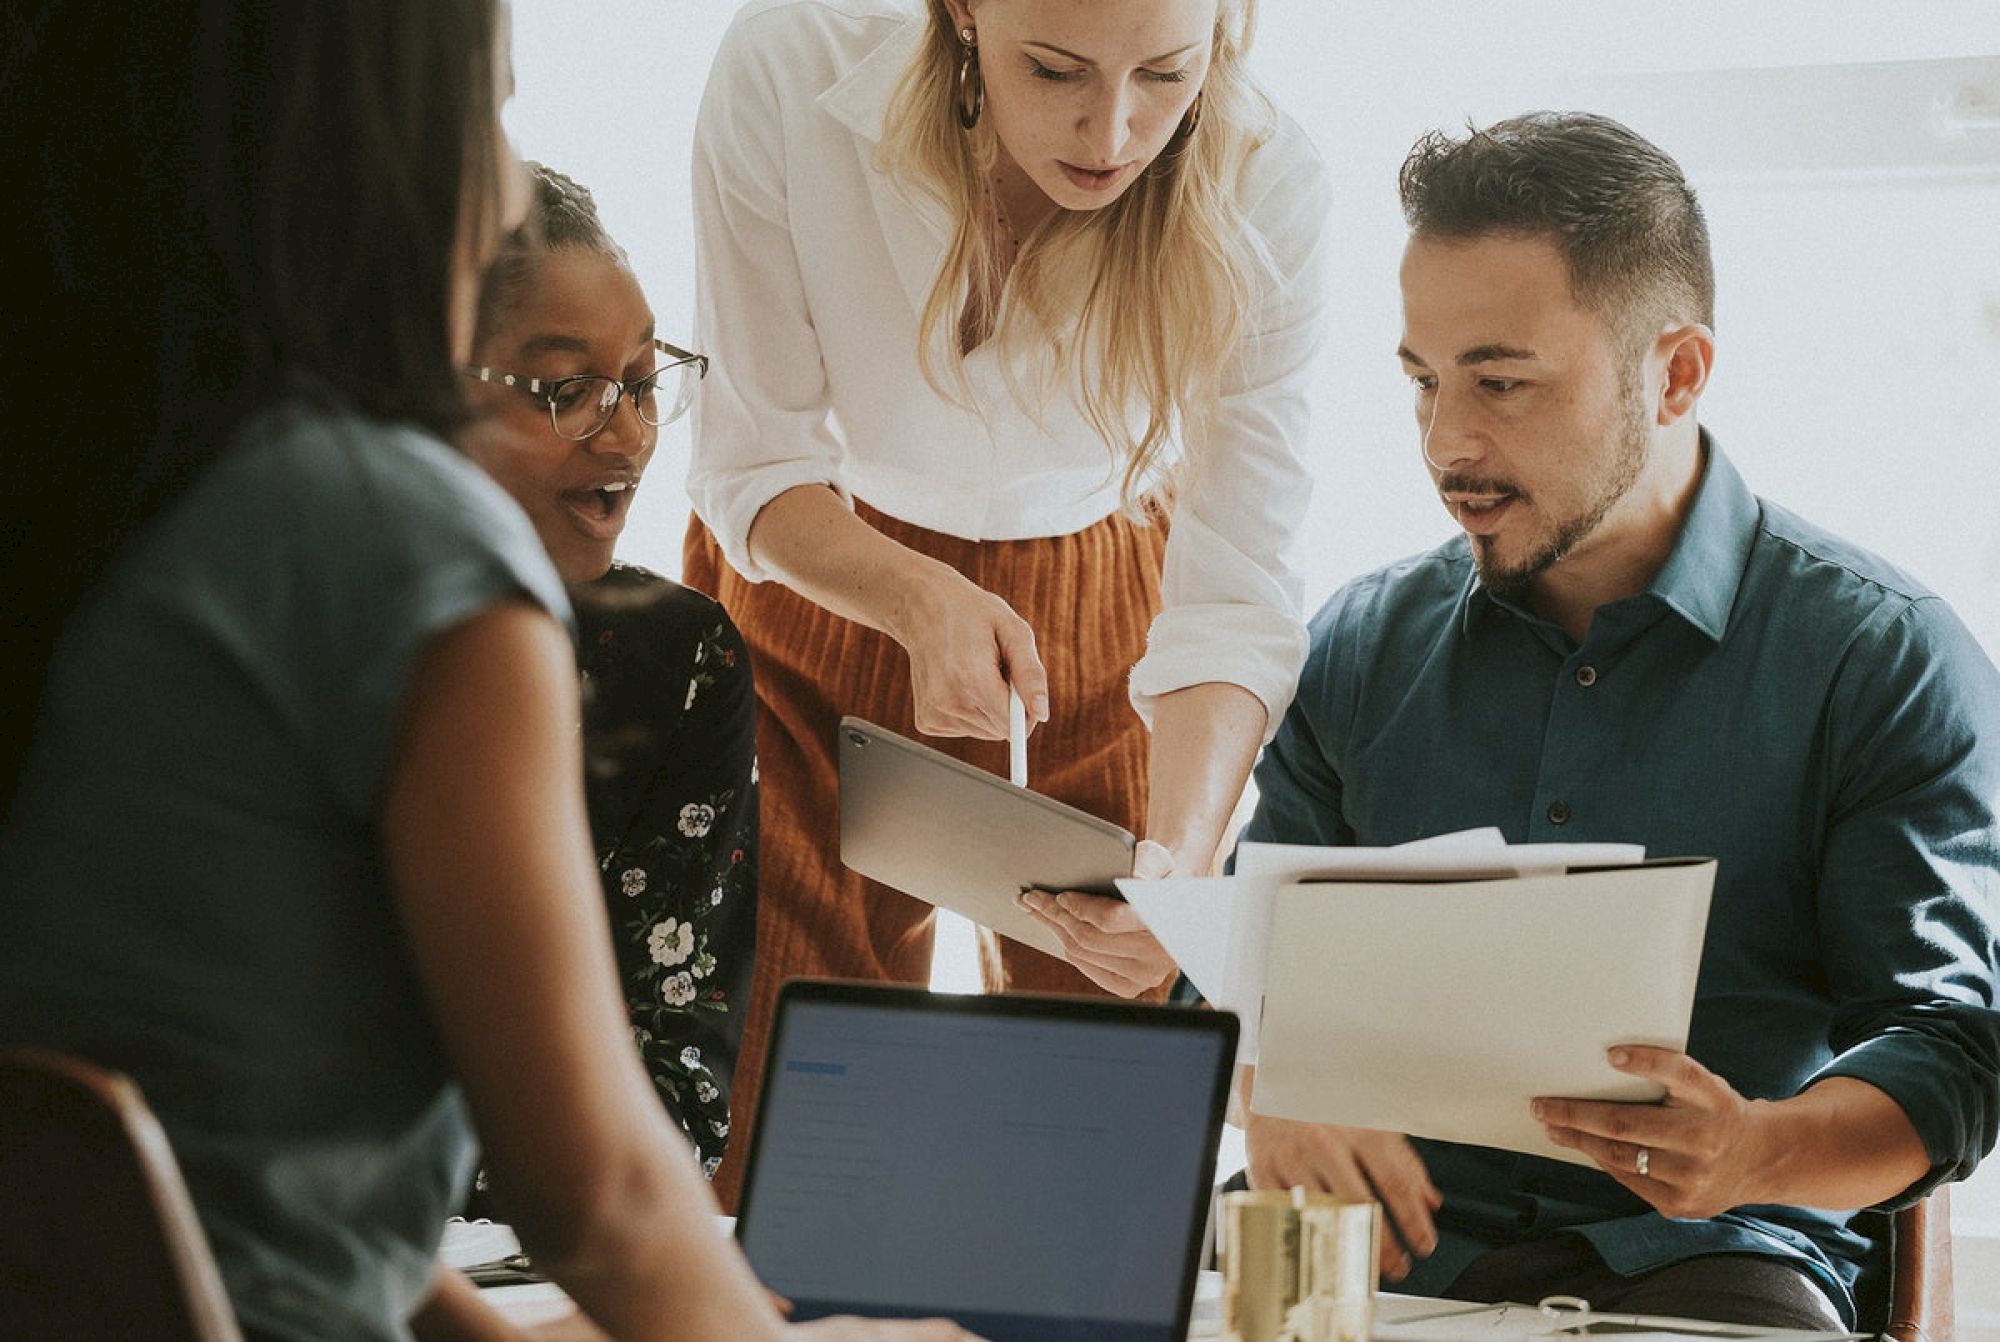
x=1440 y=1009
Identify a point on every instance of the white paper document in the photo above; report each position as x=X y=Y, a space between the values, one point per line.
x=1442 y=1009
x=1218 y=928
x=1435 y=989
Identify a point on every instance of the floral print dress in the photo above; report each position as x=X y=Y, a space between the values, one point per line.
x=669 y=729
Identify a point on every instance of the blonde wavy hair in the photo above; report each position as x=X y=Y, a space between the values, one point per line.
x=1133 y=300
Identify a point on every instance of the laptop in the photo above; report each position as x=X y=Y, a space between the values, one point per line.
x=1037 y=1169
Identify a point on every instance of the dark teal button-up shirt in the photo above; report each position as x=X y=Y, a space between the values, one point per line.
x=1777 y=699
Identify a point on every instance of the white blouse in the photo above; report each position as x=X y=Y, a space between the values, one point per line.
x=812 y=272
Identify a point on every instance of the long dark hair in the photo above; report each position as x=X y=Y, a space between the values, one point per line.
x=218 y=203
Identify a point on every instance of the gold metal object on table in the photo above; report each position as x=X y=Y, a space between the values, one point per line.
x=1297 y=1266
x=1257 y=1243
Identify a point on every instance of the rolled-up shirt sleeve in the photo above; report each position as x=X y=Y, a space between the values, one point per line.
x=1910 y=886
x=1231 y=592
x=761 y=422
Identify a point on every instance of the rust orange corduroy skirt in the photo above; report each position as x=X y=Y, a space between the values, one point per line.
x=1090 y=597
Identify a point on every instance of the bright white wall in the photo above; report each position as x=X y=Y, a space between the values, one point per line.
x=1859 y=309
x=1860 y=315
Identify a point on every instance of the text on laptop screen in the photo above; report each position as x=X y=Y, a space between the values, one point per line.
x=1029 y=1176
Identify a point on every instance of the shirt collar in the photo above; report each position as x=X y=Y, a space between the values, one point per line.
x=1703 y=571
x=1702 y=574
x=860 y=99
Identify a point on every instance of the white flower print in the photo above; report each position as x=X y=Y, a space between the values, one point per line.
x=715 y=895
x=690 y=1057
x=706 y=1092
x=710 y=1166
x=719 y=1129
x=632 y=881
x=677 y=989
x=696 y=818
x=670 y=943
x=753 y=771
x=693 y=685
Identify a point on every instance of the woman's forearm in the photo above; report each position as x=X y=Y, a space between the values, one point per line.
x=827 y=554
x=488 y=847
x=1205 y=739
x=670 y=1237
x=966 y=645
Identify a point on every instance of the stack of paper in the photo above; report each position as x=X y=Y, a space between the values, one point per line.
x=1436 y=988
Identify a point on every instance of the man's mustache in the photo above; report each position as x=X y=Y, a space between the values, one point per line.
x=1457 y=483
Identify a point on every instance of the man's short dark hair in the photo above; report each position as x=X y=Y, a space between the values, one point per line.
x=1617 y=206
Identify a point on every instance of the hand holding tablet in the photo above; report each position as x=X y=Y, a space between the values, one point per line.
x=953 y=835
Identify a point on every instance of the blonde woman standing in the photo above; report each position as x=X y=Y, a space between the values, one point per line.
x=1001 y=295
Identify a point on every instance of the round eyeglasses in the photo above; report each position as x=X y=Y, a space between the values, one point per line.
x=579 y=406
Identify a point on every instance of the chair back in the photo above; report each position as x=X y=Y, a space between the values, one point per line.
x=98 y=1238
x=1920 y=1283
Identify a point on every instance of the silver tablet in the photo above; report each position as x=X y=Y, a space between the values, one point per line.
x=953 y=835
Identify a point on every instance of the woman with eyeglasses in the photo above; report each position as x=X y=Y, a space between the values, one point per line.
x=1012 y=304
x=294 y=836
x=669 y=718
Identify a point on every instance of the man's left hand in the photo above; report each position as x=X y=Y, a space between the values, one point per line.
x=1692 y=1155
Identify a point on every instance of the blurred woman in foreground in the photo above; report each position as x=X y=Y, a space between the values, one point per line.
x=295 y=837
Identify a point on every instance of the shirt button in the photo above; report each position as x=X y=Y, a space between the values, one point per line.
x=1586 y=676
x=1558 y=813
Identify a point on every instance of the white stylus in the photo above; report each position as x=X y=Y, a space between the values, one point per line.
x=1017 y=740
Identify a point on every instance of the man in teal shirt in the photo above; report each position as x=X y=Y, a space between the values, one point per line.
x=1627 y=645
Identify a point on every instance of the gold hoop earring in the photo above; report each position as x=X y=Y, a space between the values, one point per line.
x=971 y=86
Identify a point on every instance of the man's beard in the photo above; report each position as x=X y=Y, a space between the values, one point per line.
x=1512 y=580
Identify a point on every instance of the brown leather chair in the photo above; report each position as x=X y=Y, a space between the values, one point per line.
x=98 y=1239
x=1920 y=1285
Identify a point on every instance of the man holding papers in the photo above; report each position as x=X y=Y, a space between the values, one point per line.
x=1627 y=645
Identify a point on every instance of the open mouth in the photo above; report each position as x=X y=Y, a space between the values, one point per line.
x=1480 y=514
x=600 y=512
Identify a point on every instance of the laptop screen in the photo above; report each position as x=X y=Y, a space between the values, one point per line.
x=1034 y=1168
